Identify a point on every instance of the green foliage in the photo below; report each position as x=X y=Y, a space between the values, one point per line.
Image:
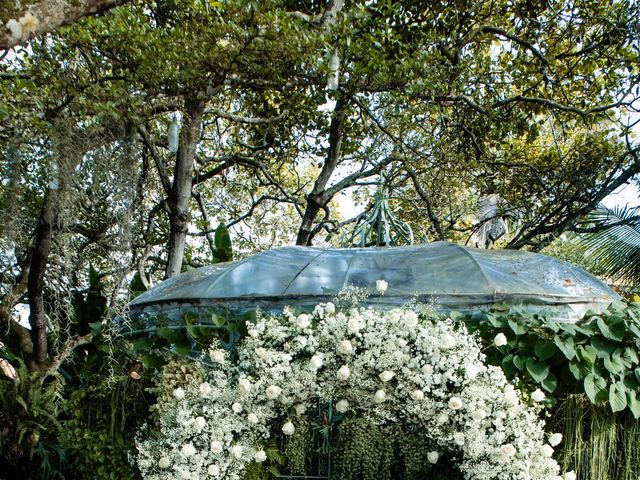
x=29 y=426
x=269 y=469
x=597 y=356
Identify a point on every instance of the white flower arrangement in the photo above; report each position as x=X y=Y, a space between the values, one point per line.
x=401 y=368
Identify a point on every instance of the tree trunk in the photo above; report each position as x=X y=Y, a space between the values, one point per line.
x=316 y=200
x=180 y=194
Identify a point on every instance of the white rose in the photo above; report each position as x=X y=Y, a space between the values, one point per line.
x=273 y=392
x=315 y=362
x=216 y=446
x=427 y=369
x=343 y=373
x=500 y=340
x=570 y=475
x=381 y=286
x=205 y=388
x=342 y=406
x=303 y=320
x=188 y=450
x=260 y=456
x=417 y=395
x=178 y=393
x=244 y=385
x=432 y=457
x=448 y=341
x=538 y=395
x=253 y=333
x=200 y=423
x=458 y=438
x=330 y=308
x=411 y=320
x=213 y=470
x=288 y=428
x=236 y=407
x=301 y=409
x=164 y=462
x=217 y=356
x=318 y=311
x=387 y=375
x=455 y=403
x=345 y=347
x=547 y=450
x=261 y=352
x=353 y=325
x=252 y=418
x=302 y=341
x=508 y=450
x=380 y=396
x=236 y=451
x=555 y=439
x=479 y=415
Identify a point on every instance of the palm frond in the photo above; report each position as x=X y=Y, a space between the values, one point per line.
x=611 y=243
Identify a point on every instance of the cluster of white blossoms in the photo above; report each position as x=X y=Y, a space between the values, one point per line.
x=390 y=366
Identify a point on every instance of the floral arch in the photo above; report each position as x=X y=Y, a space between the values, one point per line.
x=389 y=366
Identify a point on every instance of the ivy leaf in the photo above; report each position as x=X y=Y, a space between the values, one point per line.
x=617 y=397
x=519 y=362
x=537 y=370
x=613 y=329
x=566 y=345
x=596 y=388
x=544 y=349
x=633 y=403
x=550 y=383
x=518 y=327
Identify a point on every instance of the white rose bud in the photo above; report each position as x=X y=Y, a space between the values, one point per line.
x=188 y=450
x=261 y=352
x=252 y=418
x=164 y=462
x=458 y=438
x=538 y=395
x=479 y=415
x=273 y=392
x=387 y=375
x=432 y=457
x=353 y=325
x=244 y=385
x=555 y=439
x=342 y=406
x=508 y=450
x=178 y=393
x=381 y=286
x=302 y=341
x=216 y=447
x=213 y=470
x=570 y=475
x=380 y=396
x=301 y=409
x=315 y=362
x=330 y=308
x=427 y=369
x=236 y=407
x=217 y=356
x=288 y=428
x=411 y=320
x=500 y=340
x=200 y=423
x=205 y=388
x=343 y=373
x=236 y=451
x=345 y=347
x=547 y=450
x=455 y=403
x=417 y=395
x=303 y=320
x=253 y=333
x=448 y=341
x=260 y=456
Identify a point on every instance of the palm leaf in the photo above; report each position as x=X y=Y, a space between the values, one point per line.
x=612 y=247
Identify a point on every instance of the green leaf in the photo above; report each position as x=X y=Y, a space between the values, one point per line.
x=519 y=362
x=224 y=252
x=508 y=367
x=151 y=361
x=550 y=383
x=537 y=370
x=603 y=346
x=596 y=388
x=183 y=347
x=633 y=403
x=579 y=369
x=518 y=328
x=586 y=353
x=613 y=328
x=217 y=320
x=617 y=397
x=544 y=349
x=566 y=345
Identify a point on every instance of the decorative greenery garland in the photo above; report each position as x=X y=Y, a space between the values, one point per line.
x=391 y=366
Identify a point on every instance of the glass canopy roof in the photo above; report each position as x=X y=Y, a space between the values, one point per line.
x=450 y=276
